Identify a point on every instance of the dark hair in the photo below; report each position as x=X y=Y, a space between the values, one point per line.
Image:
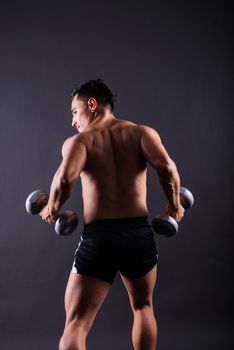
x=96 y=89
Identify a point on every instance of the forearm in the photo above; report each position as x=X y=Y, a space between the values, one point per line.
x=170 y=182
x=60 y=191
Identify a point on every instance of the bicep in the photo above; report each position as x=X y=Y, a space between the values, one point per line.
x=154 y=151
x=74 y=159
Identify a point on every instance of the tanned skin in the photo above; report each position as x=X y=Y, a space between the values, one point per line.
x=110 y=156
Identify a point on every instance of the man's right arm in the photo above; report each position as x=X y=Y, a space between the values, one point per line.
x=157 y=156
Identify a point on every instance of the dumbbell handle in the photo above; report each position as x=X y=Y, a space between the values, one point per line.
x=166 y=225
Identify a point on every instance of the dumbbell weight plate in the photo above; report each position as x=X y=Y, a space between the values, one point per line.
x=36 y=201
x=186 y=198
x=165 y=225
x=66 y=223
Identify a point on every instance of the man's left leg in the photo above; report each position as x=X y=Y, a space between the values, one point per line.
x=83 y=298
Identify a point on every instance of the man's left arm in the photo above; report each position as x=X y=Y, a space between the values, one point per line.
x=74 y=159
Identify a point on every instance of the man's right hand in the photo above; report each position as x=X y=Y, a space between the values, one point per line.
x=177 y=214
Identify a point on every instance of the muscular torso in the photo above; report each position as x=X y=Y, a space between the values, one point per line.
x=114 y=177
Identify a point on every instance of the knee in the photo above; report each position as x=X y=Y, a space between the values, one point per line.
x=142 y=306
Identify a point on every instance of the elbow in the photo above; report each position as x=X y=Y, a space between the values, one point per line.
x=171 y=167
x=167 y=170
x=63 y=180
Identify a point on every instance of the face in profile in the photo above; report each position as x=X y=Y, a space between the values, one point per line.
x=79 y=114
x=82 y=113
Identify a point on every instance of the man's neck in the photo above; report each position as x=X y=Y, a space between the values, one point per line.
x=101 y=120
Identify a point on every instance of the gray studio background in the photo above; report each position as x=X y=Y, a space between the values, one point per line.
x=170 y=64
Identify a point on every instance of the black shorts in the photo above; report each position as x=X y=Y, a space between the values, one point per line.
x=110 y=245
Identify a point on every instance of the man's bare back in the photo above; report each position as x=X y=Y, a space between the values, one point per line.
x=114 y=177
x=111 y=155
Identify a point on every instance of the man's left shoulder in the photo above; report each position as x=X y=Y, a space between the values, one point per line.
x=74 y=139
x=73 y=142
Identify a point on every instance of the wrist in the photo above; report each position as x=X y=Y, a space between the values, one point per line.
x=53 y=207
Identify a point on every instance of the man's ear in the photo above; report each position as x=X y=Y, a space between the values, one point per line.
x=92 y=103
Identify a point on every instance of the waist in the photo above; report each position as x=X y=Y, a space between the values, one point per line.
x=115 y=222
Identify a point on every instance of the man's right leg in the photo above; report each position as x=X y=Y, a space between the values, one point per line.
x=140 y=292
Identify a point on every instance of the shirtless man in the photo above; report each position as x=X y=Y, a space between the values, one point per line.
x=110 y=155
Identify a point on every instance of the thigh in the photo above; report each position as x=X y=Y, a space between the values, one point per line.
x=94 y=257
x=139 y=253
x=140 y=290
x=83 y=297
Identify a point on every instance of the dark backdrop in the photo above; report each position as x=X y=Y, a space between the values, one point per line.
x=170 y=62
